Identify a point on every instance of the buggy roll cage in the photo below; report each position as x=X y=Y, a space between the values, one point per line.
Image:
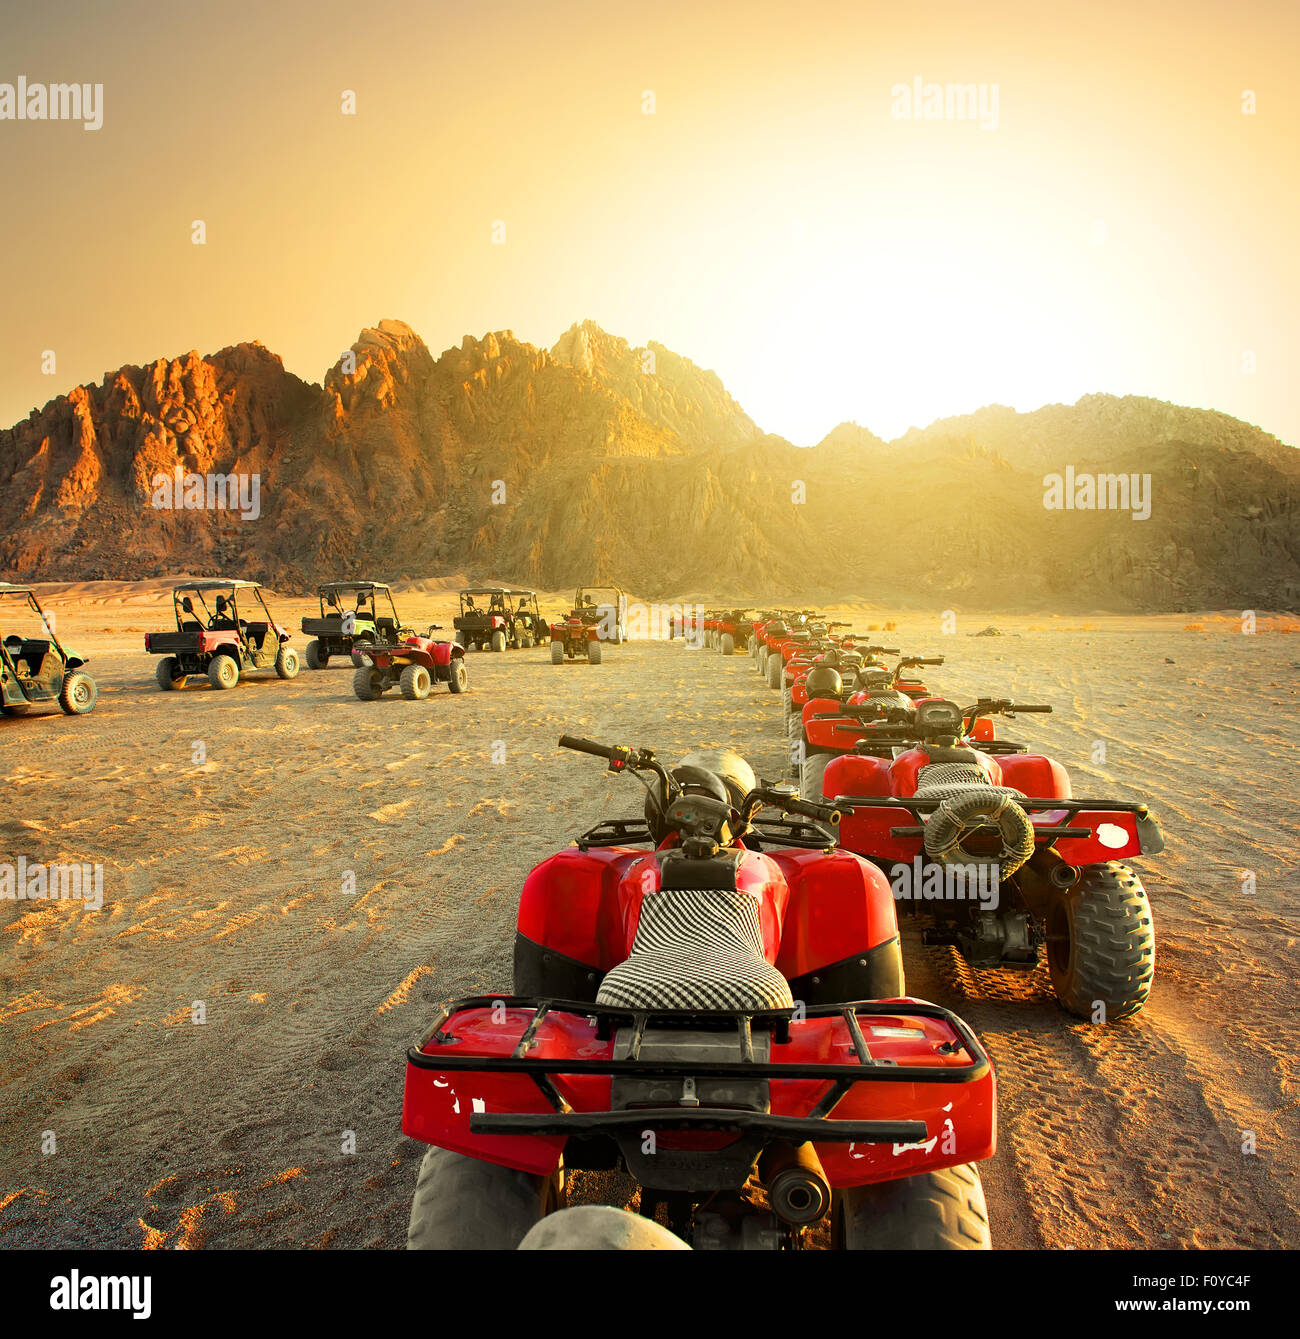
x=359 y=587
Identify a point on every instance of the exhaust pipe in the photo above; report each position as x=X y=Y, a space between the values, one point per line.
x=1064 y=876
x=796 y=1183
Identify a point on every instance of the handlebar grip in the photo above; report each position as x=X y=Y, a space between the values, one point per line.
x=586 y=746
x=824 y=813
x=1017 y=707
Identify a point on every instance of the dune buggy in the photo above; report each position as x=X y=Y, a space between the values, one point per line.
x=604 y=607
x=350 y=613
x=495 y=617
x=35 y=666
x=221 y=641
x=415 y=664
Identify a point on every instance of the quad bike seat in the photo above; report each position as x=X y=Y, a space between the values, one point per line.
x=696 y=949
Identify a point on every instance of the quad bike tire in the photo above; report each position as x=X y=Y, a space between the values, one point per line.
x=165 y=672
x=593 y=653
x=728 y=646
x=811 y=774
x=1101 y=943
x=457 y=675
x=557 y=653
x=935 y=1211
x=78 y=694
x=286 y=662
x=415 y=683
x=368 y=683
x=775 y=670
x=525 y=642
x=314 y=657
x=464 y=1204
x=223 y=672
x=498 y=641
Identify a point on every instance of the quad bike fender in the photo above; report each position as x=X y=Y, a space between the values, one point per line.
x=443 y=653
x=580 y=904
x=838 y=905
x=810 y=707
x=834 y=736
x=1032 y=774
x=869 y=831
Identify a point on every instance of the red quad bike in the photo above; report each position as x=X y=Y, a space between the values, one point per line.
x=575 y=637
x=654 y=1027
x=223 y=642
x=838 y=653
x=831 y=720
x=735 y=629
x=781 y=649
x=765 y=620
x=414 y=664
x=773 y=630
x=938 y=807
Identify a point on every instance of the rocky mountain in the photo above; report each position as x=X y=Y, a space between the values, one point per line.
x=596 y=461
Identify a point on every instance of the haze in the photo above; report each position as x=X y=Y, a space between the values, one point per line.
x=1120 y=225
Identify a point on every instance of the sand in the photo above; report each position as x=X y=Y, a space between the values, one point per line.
x=333 y=869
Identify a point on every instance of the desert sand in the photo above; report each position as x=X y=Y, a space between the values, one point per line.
x=334 y=869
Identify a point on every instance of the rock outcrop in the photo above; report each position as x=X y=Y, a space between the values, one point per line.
x=595 y=460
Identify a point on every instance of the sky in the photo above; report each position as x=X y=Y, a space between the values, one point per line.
x=741 y=182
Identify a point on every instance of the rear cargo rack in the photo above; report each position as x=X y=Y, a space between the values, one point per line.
x=563 y=1120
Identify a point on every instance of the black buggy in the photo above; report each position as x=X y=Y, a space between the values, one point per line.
x=494 y=617
x=35 y=666
x=352 y=613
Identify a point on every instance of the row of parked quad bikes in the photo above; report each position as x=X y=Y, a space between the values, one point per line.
x=711 y=997
x=225 y=629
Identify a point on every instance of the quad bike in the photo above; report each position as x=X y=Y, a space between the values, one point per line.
x=39 y=669
x=415 y=665
x=221 y=643
x=715 y=1003
x=339 y=629
x=498 y=623
x=844 y=655
x=815 y=719
x=575 y=637
x=933 y=798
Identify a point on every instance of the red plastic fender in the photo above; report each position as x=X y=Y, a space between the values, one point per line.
x=838 y=905
x=582 y=904
x=1036 y=775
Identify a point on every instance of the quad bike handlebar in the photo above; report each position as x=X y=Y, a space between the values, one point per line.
x=624 y=757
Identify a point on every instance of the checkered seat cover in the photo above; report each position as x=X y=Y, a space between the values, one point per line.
x=943 y=781
x=696 y=949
